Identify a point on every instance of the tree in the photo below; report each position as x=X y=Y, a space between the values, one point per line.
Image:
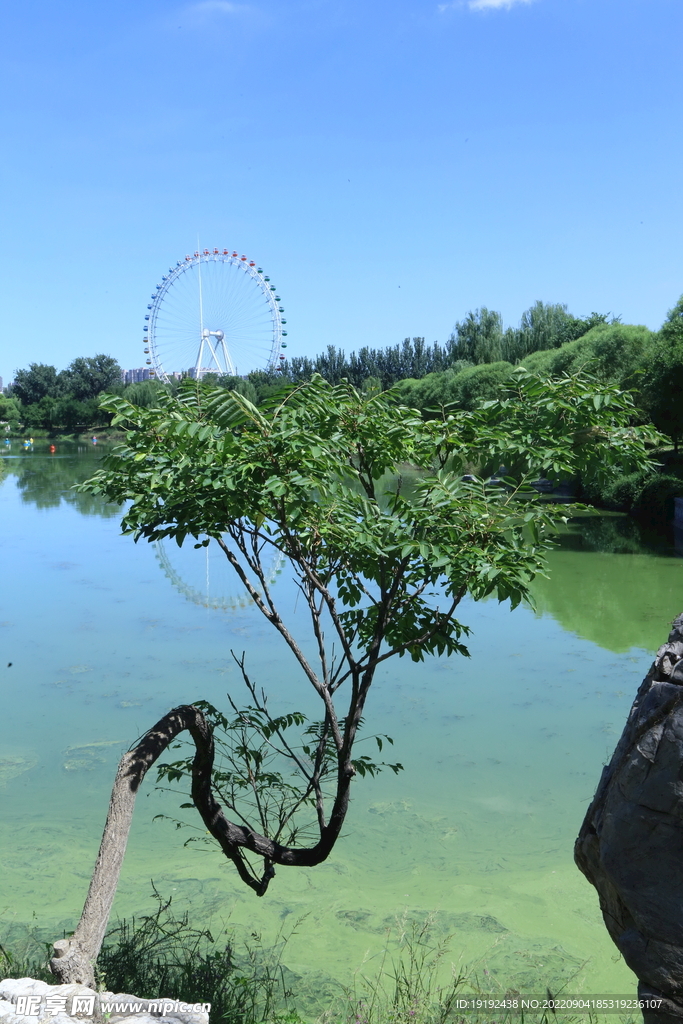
x=663 y=376
x=381 y=571
x=478 y=338
x=88 y=376
x=672 y=328
x=39 y=381
x=144 y=392
x=9 y=410
x=72 y=414
x=476 y=384
x=243 y=387
x=42 y=414
x=662 y=386
x=463 y=386
x=412 y=358
x=265 y=383
x=612 y=351
x=545 y=325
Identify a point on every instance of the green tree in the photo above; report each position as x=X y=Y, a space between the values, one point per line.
x=266 y=383
x=144 y=392
x=88 y=376
x=371 y=386
x=477 y=384
x=304 y=477
x=39 y=381
x=42 y=415
x=74 y=415
x=463 y=386
x=610 y=351
x=544 y=325
x=672 y=328
x=662 y=386
x=478 y=338
x=10 y=413
x=242 y=386
x=316 y=476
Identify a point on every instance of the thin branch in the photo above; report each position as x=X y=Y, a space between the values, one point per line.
x=274 y=618
x=261 y=705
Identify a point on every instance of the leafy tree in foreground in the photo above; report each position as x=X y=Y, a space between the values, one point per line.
x=380 y=571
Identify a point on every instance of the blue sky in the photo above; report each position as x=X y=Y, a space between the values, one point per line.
x=390 y=165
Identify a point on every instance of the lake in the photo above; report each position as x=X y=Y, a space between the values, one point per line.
x=502 y=751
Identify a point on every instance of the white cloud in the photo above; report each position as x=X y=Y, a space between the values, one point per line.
x=218 y=6
x=218 y=15
x=483 y=5
x=207 y=8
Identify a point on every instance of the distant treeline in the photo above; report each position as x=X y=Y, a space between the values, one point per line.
x=479 y=338
x=43 y=398
x=471 y=366
x=481 y=353
x=650 y=363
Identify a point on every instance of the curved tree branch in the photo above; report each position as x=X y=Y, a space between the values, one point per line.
x=74 y=958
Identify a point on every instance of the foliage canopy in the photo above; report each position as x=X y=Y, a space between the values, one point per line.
x=317 y=475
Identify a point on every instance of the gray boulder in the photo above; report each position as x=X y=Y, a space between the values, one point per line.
x=630 y=846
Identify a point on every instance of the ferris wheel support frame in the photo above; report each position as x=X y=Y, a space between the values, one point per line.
x=221 y=347
x=216 y=256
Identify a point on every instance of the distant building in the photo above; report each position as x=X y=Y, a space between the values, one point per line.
x=1 y=387
x=144 y=373
x=135 y=376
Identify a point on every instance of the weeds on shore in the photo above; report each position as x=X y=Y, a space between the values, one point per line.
x=404 y=988
x=162 y=955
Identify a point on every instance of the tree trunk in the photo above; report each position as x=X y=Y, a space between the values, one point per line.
x=74 y=958
x=630 y=846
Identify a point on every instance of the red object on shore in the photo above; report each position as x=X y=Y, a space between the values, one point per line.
x=52 y=449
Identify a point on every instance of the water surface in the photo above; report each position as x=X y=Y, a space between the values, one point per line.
x=502 y=751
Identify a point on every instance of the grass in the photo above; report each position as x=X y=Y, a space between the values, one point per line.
x=161 y=954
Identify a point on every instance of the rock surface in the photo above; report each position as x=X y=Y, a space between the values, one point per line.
x=25 y=1001
x=630 y=846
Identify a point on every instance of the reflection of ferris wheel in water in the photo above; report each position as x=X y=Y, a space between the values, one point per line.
x=214 y=312
x=204 y=577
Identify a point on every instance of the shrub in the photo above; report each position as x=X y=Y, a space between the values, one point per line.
x=610 y=351
x=650 y=496
x=463 y=386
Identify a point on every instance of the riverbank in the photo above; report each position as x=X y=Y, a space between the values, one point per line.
x=101 y=433
x=413 y=980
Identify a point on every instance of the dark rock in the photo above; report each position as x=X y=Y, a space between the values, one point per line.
x=630 y=846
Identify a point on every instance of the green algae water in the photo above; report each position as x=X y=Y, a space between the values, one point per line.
x=502 y=751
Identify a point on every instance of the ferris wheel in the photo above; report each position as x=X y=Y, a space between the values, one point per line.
x=215 y=312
